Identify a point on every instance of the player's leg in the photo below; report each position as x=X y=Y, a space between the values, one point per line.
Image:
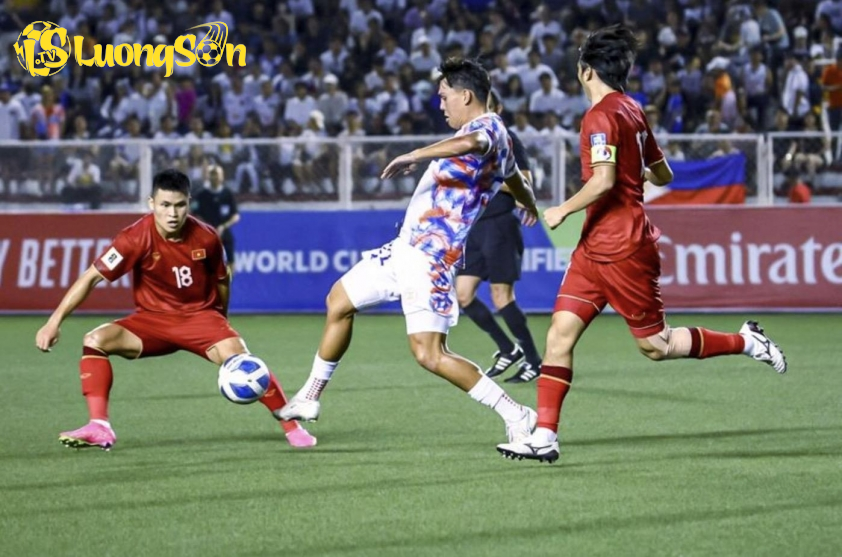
x=467 y=282
x=273 y=400
x=503 y=296
x=633 y=290
x=368 y=283
x=579 y=301
x=97 y=376
x=430 y=350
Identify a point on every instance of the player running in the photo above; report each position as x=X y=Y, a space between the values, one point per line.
x=617 y=260
x=180 y=288
x=418 y=267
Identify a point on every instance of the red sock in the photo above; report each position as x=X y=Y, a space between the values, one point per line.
x=97 y=377
x=707 y=344
x=553 y=384
x=275 y=399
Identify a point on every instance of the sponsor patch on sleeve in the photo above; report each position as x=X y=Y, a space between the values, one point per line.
x=603 y=153
x=111 y=258
x=598 y=139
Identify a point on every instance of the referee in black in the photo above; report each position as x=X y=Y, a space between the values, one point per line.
x=493 y=253
x=215 y=205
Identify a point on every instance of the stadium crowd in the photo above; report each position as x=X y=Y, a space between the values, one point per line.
x=366 y=67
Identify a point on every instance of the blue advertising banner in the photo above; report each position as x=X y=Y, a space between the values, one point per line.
x=287 y=261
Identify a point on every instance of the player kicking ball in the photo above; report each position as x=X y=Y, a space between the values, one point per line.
x=617 y=260
x=418 y=267
x=180 y=288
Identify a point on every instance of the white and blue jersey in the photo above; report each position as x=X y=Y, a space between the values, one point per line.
x=452 y=193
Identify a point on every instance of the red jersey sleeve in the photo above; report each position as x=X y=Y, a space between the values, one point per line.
x=600 y=139
x=121 y=256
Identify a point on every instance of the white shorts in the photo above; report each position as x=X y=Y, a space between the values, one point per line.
x=398 y=271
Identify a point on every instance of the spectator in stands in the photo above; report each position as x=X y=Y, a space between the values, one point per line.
x=513 y=97
x=756 y=90
x=548 y=98
x=831 y=81
x=267 y=106
x=794 y=97
x=425 y=59
x=530 y=75
x=167 y=148
x=13 y=117
x=808 y=154
x=83 y=181
x=333 y=59
x=333 y=104
x=713 y=123
x=299 y=107
x=314 y=165
x=796 y=190
x=185 y=100
x=48 y=117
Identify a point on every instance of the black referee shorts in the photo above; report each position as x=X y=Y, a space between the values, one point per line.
x=228 y=244
x=494 y=250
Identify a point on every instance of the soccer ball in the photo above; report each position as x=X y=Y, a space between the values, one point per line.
x=33 y=32
x=243 y=378
x=208 y=53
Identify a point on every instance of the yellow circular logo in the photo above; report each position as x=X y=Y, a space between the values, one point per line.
x=43 y=48
x=208 y=52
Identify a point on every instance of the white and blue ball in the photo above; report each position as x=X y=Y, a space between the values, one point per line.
x=243 y=378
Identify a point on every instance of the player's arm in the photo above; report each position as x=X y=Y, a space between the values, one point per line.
x=604 y=176
x=229 y=223
x=470 y=143
x=659 y=174
x=48 y=335
x=523 y=194
x=224 y=288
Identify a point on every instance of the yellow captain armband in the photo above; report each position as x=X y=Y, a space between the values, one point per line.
x=603 y=154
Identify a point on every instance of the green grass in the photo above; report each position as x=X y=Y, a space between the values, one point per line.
x=719 y=457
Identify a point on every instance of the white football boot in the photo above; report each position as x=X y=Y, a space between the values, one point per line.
x=765 y=350
x=535 y=447
x=301 y=409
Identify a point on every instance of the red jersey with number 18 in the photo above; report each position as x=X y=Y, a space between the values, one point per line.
x=615 y=131
x=168 y=276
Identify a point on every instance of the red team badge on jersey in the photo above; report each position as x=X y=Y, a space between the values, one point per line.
x=198 y=254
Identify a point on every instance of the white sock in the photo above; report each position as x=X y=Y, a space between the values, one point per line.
x=545 y=434
x=749 y=349
x=106 y=423
x=490 y=394
x=320 y=374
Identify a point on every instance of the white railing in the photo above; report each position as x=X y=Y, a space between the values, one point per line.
x=343 y=173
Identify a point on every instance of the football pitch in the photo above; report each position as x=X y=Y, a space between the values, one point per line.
x=718 y=457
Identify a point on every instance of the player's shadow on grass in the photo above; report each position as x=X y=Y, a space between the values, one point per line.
x=638 y=395
x=170 y=499
x=668 y=437
x=185 y=396
x=406 y=543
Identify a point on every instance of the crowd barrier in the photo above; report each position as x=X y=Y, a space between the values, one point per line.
x=728 y=258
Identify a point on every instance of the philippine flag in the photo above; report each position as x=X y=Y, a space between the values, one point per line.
x=720 y=180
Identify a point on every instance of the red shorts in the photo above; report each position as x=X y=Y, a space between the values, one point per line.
x=630 y=286
x=165 y=333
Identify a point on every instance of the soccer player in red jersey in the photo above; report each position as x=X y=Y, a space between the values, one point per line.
x=180 y=287
x=617 y=260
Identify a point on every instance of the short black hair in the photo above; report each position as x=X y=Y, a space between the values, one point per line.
x=610 y=52
x=493 y=100
x=171 y=180
x=464 y=73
